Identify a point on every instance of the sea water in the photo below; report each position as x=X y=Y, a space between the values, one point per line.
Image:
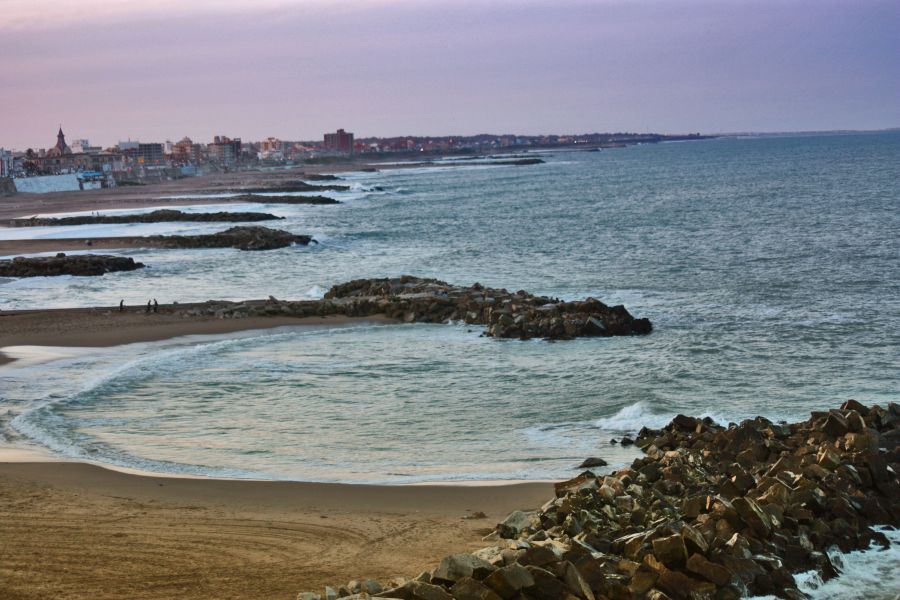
x=769 y=266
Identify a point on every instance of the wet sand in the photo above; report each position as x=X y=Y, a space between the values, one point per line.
x=73 y=530
x=98 y=327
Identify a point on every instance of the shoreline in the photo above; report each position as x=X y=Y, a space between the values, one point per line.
x=105 y=327
x=270 y=537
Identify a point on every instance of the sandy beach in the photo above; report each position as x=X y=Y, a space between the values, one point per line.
x=98 y=327
x=73 y=530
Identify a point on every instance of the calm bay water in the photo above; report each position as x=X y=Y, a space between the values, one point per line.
x=769 y=267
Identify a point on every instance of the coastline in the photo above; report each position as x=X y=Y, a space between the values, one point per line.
x=271 y=538
x=104 y=327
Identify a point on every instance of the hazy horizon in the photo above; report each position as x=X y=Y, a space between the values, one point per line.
x=109 y=71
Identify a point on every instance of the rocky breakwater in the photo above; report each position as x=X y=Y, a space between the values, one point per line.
x=294 y=186
x=82 y=264
x=247 y=198
x=505 y=314
x=241 y=238
x=415 y=300
x=156 y=216
x=709 y=512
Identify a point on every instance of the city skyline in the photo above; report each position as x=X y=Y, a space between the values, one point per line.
x=113 y=71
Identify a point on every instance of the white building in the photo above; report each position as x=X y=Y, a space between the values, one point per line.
x=80 y=146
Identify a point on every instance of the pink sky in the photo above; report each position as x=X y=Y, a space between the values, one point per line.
x=109 y=70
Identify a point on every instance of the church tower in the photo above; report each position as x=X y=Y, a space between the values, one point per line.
x=61 y=147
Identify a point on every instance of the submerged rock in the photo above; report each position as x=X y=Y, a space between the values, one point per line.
x=61 y=264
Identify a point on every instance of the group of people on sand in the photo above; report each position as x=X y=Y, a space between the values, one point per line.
x=152 y=306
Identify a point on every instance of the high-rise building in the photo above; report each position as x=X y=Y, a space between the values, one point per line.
x=150 y=154
x=225 y=150
x=186 y=151
x=340 y=141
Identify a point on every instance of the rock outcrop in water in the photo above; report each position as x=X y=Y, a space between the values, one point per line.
x=413 y=299
x=241 y=238
x=156 y=216
x=294 y=186
x=82 y=264
x=708 y=513
x=284 y=199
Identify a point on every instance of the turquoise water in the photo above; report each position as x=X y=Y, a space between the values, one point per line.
x=769 y=267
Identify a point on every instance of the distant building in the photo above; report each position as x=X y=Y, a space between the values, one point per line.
x=271 y=149
x=84 y=147
x=340 y=141
x=61 y=148
x=6 y=163
x=150 y=154
x=224 y=150
x=186 y=152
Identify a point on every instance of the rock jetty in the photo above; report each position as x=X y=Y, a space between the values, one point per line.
x=294 y=186
x=415 y=300
x=284 y=199
x=709 y=512
x=81 y=264
x=242 y=238
x=156 y=216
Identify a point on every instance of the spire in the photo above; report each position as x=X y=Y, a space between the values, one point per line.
x=61 y=146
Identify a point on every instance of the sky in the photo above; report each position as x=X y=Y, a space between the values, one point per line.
x=111 y=70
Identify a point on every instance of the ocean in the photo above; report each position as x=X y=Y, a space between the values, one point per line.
x=768 y=265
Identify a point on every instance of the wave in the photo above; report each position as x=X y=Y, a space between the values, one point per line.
x=870 y=574
x=633 y=417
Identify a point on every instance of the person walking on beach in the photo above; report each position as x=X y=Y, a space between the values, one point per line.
x=148 y=306
x=122 y=305
x=155 y=306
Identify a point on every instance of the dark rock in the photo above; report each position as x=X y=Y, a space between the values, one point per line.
x=241 y=238
x=592 y=462
x=252 y=198
x=80 y=265
x=156 y=216
x=670 y=550
x=510 y=580
x=457 y=566
x=471 y=589
x=710 y=571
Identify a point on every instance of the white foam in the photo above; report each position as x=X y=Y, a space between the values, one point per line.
x=873 y=574
x=632 y=418
x=635 y=416
x=316 y=292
